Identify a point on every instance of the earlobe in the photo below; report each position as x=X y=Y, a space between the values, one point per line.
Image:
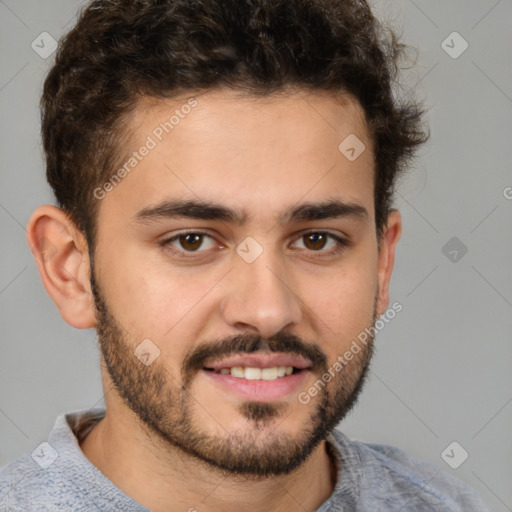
x=387 y=247
x=62 y=257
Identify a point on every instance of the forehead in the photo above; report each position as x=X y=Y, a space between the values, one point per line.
x=253 y=154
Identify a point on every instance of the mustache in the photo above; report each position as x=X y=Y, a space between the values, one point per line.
x=246 y=343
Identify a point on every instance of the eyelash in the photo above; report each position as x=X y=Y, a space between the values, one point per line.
x=342 y=243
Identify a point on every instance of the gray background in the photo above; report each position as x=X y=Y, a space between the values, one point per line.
x=442 y=371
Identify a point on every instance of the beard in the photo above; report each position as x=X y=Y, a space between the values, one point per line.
x=164 y=404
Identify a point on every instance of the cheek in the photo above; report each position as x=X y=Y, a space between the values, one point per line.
x=151 y=300
x=144 y=292
x=343 y=301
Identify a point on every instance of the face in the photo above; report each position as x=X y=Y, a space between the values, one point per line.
x=239 y=248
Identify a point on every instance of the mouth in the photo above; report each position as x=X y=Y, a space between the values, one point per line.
x=255 y=373
x=260 y=377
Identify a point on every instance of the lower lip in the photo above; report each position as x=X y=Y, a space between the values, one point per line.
x=262 y=390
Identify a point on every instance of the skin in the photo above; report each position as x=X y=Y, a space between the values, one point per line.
x=260 y=156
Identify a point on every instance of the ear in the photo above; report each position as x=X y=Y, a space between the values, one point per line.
x=389 y=240
x=62 y=257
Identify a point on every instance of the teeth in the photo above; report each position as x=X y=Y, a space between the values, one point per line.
x=269 y=373
x=238 y=371
x=252 y=373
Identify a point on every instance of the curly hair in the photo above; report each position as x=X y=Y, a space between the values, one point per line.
x=123 y=50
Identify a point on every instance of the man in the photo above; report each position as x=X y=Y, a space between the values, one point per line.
x=224 y=172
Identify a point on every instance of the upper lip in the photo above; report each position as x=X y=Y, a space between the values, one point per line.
x=260 y=361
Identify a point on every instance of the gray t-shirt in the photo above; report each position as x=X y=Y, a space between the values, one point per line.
x=57 y=476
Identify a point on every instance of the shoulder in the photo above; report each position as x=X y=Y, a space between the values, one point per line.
x=389 y=475
x=25 y=485
x=49 y=477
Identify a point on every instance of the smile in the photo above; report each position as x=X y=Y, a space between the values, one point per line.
x=261 y=384
x=254 y=373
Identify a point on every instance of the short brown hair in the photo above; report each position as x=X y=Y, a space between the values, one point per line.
x=122 y=50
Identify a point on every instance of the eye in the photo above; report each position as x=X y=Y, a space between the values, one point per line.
x=315 y=241
x=190 y=241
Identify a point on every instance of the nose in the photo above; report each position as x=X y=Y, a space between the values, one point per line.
x=259 y=297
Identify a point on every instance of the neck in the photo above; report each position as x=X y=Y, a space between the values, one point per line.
x=163 y=478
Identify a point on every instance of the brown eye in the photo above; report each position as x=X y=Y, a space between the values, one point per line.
x=315 y=241
x=191 y=241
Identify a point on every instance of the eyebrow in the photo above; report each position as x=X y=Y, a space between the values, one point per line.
x=203 y=210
